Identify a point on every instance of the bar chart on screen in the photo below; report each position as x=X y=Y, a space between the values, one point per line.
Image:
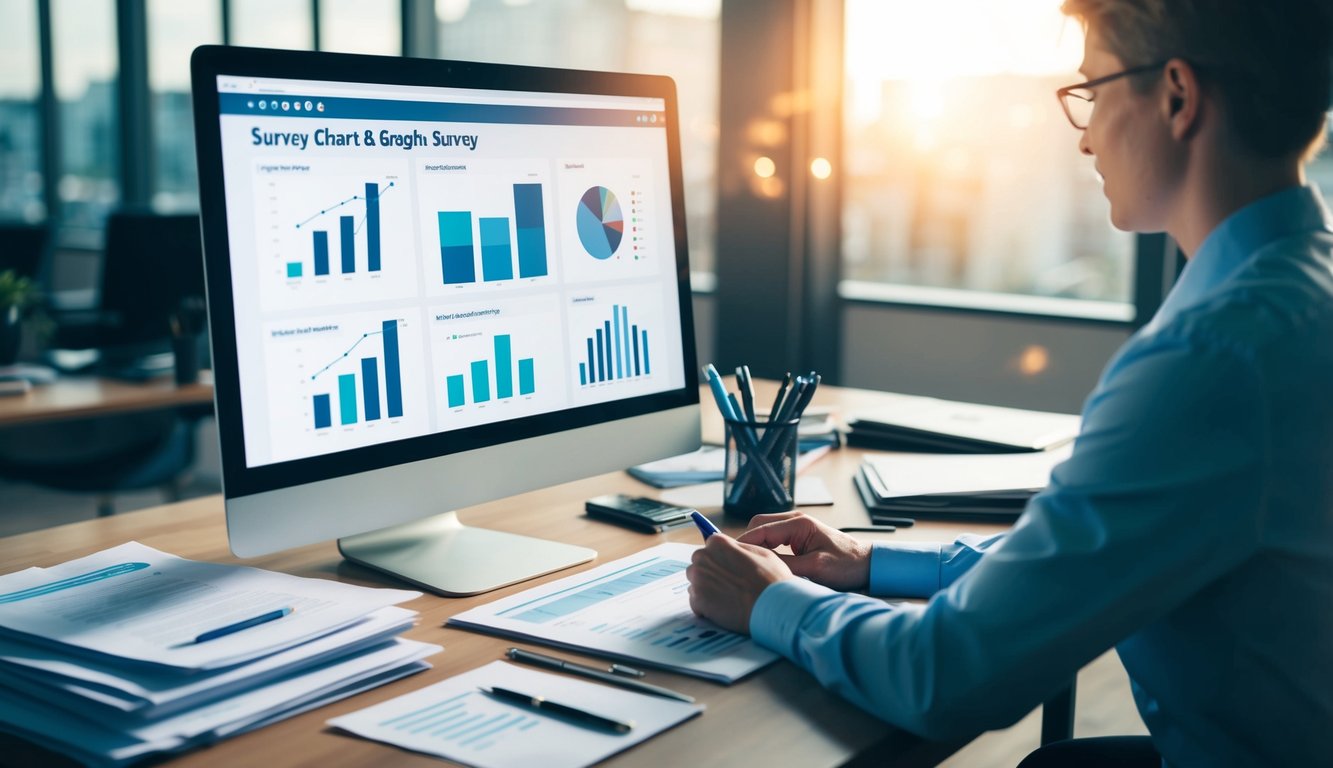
x=484 y=225
x=614 y=342
x=332 y=232
x=346 y=382
x=496 y=360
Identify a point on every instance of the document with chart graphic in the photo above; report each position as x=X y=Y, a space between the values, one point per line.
x=636 y=609
x=456 y=720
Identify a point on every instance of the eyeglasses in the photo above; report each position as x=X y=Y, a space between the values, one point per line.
x=1077 y=100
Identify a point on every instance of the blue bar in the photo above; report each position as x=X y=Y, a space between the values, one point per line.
x=625 y=337
x=634 y=334
x=601 y=357
x=321 y=252
x=293 y=269
x=647 y=369
x=481 y=381
x=610 y=366
x=373 y=227
x=592 y=372
x=497 y=258
x=323 y=417
x=393 y=381
x=531 y=225
x=583 y=374
x=456 y=255
x=347 y=397
x=504 y=368
x=370 y=388
x=455 y=385
x=348 y=237
x=527 y=381
x=617 y=345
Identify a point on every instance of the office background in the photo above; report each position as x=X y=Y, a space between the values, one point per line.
x=885 y=191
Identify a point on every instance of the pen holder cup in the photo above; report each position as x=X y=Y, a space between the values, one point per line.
x=185 y=350
x=760 y=474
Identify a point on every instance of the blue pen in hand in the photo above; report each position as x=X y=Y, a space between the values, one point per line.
x=706 y=526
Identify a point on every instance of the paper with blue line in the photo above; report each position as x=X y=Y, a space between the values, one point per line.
x=636 y=609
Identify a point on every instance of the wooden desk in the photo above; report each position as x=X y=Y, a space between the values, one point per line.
x=777 y=717
x=78 y=397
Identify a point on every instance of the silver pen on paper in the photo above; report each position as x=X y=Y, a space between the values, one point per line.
x=551 y=662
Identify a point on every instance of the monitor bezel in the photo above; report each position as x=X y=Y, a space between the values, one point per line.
x=209 y=62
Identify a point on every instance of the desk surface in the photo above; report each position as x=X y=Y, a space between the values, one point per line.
x=779 y=716
x=77 y=397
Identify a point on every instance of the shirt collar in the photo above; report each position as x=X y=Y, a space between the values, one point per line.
x=1238 y=237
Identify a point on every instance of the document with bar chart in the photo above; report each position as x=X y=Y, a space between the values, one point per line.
x=636 y=609
x=484 y=225
x=455 y=720
x=496 y=360
x=333 y=232
x=343 y=382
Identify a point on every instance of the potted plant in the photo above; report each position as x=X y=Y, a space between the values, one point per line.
x=17 y=296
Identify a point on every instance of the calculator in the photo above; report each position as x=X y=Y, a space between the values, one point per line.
x=638 y=512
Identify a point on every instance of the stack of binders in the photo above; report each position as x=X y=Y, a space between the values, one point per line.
x=927 y=424
x=132 y=652
x=897 y=488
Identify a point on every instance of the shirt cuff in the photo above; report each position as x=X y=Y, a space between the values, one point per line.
x=776 y=618
x=904 y=569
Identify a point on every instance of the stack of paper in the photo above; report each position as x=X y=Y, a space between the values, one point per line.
x=910 y=423
x=107 y=658
x=930 y=484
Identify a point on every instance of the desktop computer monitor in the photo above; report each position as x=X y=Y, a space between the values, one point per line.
x=432 y=284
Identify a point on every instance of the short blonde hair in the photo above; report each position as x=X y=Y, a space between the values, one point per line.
x=1270 y=59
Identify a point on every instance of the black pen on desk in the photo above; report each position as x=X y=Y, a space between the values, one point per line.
x=551 y=662
x=255 y=621
x=581 y=716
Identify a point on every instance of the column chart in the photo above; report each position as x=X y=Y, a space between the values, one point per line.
x=332 y=232
x=497 y=360
x=489 y=220
x=344 y=382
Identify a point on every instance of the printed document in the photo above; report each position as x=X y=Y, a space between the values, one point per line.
x=134 y=602
x=455 y=720
x=636 y=609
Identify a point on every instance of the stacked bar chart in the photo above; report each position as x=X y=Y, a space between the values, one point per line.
x=365 y=407
x=616 y=351
x=348 y=227
x=479 y=372
x=458 y=241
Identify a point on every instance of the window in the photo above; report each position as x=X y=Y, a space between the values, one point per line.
x=361 y=26
x=174 y=30
x=679 y=38
x=84 y=59
x=272 y=24
x=963 y=183
x=20 y=126
x=1321 y=170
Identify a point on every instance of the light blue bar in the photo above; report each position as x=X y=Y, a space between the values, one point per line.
x=481 y=381
x=293 y=269
x=347 y=397
x=583 y=374
x=497 y=256
x=455 y=385
x=504 y=368
x=617 y=344
x=625 y=339
x=527 y=381
x=647 y=369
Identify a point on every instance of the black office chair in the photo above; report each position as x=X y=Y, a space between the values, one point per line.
x=153 y=266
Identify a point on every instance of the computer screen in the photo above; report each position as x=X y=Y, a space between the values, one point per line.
x=445 y=282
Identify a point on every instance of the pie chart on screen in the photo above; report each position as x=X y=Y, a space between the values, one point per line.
x=601 y=225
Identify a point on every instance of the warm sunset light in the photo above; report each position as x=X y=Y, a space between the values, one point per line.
x=821 y=168
x=764 y=167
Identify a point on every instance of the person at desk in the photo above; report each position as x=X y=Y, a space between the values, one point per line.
x=1192 y=527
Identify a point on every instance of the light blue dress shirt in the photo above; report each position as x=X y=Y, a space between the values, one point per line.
x=1192 y=528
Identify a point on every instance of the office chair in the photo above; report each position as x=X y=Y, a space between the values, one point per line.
x=153 y=265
